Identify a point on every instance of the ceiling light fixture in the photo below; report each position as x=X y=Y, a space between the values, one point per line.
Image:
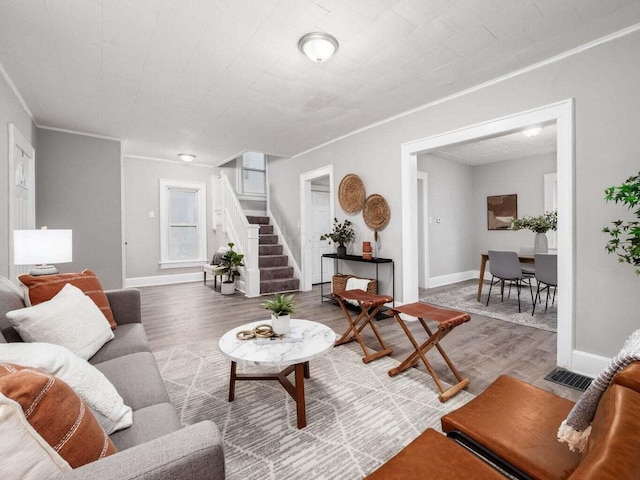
x=318 y=46
x=187 y=157
x=532 y=132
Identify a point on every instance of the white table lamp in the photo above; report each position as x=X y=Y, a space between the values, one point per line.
x=39 y=247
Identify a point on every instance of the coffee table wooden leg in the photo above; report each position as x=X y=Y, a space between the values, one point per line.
x=307 y=372
x=232 y=382
x=300 y=402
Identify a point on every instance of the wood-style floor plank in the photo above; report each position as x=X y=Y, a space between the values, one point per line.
x=481 y=349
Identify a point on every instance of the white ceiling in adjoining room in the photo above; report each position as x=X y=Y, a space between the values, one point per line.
x=214 y=77
x=513 y=146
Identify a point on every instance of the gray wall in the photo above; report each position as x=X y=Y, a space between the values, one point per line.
x=450 y=191
x=78 y=187
x=524 y=177
x=604 y=83
x=11 y=111
x=141 y=196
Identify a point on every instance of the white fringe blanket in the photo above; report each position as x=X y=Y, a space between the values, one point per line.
x=576 y=428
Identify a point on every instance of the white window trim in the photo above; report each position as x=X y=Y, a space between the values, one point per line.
x=200 y=189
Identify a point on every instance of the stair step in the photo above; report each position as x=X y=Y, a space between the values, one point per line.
x=269 y=249
x=265 y=261
x=273 y=273
x=266 y=230
x=257 y=220
x=279 y=285
x=267 y=239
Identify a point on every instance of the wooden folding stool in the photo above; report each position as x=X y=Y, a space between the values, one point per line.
x=447 y=321
x=370 y=306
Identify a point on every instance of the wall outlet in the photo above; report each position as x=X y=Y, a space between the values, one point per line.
x=152 y=214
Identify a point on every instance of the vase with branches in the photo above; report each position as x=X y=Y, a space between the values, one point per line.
x=342 y=234
x=540 y=224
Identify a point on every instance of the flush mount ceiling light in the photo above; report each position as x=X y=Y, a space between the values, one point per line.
x=187 y=157
x=318 y=46
x=532 y=132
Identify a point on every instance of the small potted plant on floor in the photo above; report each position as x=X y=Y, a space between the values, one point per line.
x=281 y=309
x=230 y=262
x=342 y=234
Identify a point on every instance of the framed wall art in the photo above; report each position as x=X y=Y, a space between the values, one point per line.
x=501 y=209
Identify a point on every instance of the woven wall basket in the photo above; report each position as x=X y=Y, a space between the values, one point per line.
x=351 y=193
x=376 y=212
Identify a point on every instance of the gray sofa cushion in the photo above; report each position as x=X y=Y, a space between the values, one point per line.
x=148 y=423
x=128 y=338
x=136 y=378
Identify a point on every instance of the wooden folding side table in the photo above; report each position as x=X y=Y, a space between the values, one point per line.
x=447 y=320
x=370 y=306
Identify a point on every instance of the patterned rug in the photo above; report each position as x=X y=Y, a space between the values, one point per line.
x=465 y=298
x=357 y=416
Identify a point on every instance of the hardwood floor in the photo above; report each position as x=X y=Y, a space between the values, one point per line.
x=481 y=349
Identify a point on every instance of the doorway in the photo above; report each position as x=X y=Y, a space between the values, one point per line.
x=423 y=230
x=562 y=113
x=317 y=207
x=22 y=183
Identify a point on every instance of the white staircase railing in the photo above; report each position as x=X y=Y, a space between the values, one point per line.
x=243 y=235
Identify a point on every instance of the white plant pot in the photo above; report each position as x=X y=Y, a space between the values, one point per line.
x=281 y=324
x=540 y=243
x=227 y=288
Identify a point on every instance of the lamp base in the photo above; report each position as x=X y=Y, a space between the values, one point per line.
x=40 y=270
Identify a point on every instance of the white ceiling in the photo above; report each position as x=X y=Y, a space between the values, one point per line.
x=216 y=77
x=513 y=146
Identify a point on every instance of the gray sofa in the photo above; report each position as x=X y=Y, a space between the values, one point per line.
x=156 y=446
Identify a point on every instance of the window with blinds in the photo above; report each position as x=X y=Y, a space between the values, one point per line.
x=182 y=224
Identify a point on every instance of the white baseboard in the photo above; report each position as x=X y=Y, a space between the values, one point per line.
x=163 y=279
x=588 y=364
x=453 y=278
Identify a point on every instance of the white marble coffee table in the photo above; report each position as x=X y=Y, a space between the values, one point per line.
x=317 y=339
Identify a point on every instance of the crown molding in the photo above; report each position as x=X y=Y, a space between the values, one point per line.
x=16 y=92
x=78 y=132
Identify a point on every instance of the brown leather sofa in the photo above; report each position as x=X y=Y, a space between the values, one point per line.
x=514 y=425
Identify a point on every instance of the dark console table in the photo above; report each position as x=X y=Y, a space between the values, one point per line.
x=357 y=258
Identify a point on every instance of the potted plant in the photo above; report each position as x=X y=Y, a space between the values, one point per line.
x=342 y=234
x=628 y=247
x=281 y=309
x=230 y=262
x=539 y=224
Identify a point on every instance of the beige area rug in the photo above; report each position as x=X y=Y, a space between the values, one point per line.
x=357 y=416
x=465 y=298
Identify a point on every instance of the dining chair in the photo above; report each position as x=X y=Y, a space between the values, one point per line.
x=505 y=266
x=529 y=269
x=547 y=275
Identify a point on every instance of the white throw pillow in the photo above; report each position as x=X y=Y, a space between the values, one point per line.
x=86 y=380
x=70 y=319
x=23 y=452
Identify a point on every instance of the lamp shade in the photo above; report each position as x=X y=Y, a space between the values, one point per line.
x=318 y=46
x=32 y=247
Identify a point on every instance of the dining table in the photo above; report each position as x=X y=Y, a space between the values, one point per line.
x=484 y=258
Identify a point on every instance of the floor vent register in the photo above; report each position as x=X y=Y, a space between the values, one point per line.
x=569 y=379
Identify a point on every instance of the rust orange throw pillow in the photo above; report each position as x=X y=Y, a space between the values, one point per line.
x=57 y=413
x=45 y=287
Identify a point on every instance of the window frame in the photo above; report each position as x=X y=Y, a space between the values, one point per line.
x=199 y=188
x=241 y=169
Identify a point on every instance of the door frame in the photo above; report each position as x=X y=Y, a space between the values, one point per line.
x=306 y=267
x=17 y=141
x=424 y=178
x=563 y=114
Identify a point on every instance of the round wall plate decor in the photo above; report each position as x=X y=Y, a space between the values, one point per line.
x=376 y=212
x=351 y=193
